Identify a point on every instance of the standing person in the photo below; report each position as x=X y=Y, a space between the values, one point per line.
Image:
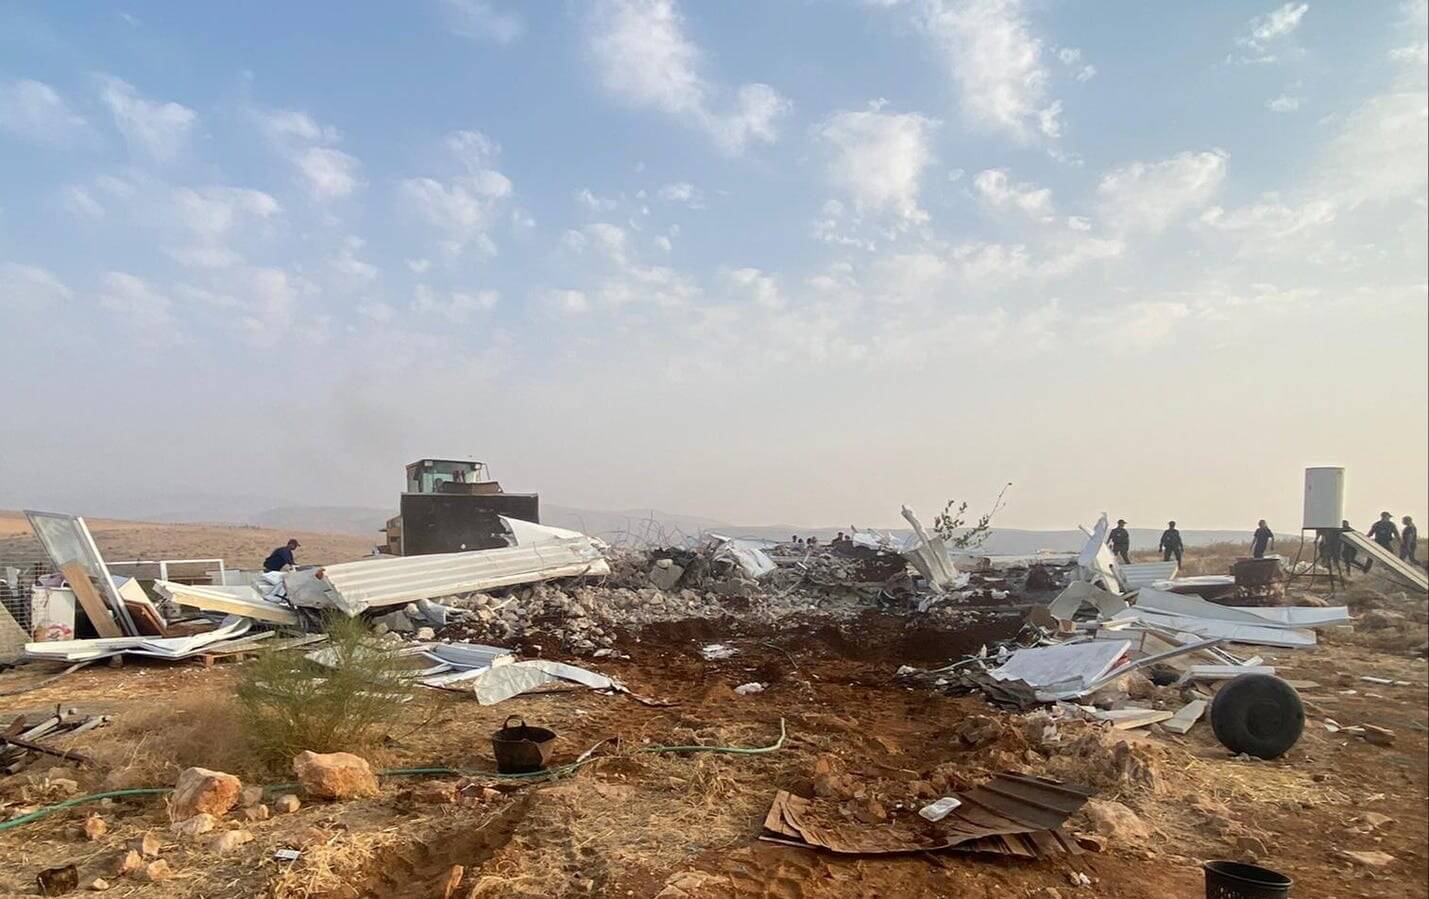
x=1383 y=531
x=281 y=559
x=1347 y=549
x=1408 y=540
x=1264 y=538
x=1170 y=544
x=1120 y=541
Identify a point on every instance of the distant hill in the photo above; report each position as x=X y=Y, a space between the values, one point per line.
x=639 y=526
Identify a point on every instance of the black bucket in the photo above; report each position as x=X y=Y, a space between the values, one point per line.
x=521 y=749
x=1237 y=880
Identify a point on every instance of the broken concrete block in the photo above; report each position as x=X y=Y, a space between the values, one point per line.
x=201 y=791
x=426 y=634
x=666 y=574
x=335 y=775
x=287 y=804
x=978 y=730
x=1379 y=736
x=1115 y=821
x=250 y=797
x=189 y=828
x=1371 y=858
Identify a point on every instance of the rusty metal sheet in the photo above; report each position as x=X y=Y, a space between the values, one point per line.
x=1011 y=814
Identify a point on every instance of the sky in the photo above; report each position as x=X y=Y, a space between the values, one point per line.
x=795 y=261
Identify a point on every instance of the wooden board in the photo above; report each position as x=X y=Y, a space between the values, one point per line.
x=89 y=600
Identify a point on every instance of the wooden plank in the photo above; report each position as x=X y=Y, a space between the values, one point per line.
x=94 y=607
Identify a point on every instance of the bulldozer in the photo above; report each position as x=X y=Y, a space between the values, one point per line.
x=453 y=505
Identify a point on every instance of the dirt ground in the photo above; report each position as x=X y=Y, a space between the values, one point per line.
x=643 y=824
x=237 y=545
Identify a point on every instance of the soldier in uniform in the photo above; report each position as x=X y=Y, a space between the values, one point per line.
x=1170 y=544
x=1120 y=541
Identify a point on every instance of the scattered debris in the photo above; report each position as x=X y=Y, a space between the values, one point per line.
x=937 y=811
x=749 y=689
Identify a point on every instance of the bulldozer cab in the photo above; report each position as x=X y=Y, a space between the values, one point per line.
x=450 y=476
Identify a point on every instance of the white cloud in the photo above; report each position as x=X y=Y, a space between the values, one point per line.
x=140 y=306
x=464 y=208
x=999 y=192
x=644 y=57
x=878 y=159
x=1135 y=327
x=329 y=173
x=29 y=286
x=79 y=202
x=758 y=286
x=1270 y=220
x=479 y=19
x=1284 y=103
x=210 y=217
x=682 y=192
x=351 y=270
x=1270 y=31
x=325 y=172
x=1150 y=196
x=159 y=130
x=456 y=306
x=996 y=64
x=34 y=111
x=270 y=296
x=593 y=201
x=419 y=266
x=377 y=312
x=569 y=302
x=1071 y=57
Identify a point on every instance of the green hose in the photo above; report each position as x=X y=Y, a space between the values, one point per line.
x=559 y=771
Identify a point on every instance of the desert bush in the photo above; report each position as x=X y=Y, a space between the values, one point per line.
x=289 y=704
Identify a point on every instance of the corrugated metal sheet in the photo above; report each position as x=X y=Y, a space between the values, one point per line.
x=397 y=581
x=1010 y=814
x=1389 y=560
x=1144 y=574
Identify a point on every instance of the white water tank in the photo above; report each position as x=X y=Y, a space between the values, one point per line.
x=1324 y=497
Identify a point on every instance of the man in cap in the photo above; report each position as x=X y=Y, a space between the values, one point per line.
x=1120 y=541
x=281 y=559
x=1170 y=544
x=1383 y=531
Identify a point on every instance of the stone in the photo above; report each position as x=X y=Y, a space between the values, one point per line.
x=1375 y=820
x=97 y=885
x=978 y=730
x=202 y=791
x=1371 y=858
x=147 y=845
x=396 y=622
x=426 y=634
x=287 y=804
x=666 y=574
x=453 y=881
x=56 y=881
x=156 y=871
x=94 y=828
x=1047 y=893
x=1252 y=846
x=335 y=775
x=749 y=689
x=1115 y=821
x=250 y=797
x=1378 y=620
x=435 y=792
x=230 y=841
x=256 y=813
x=128 y=862
x=189 y=828
x=1379 y=736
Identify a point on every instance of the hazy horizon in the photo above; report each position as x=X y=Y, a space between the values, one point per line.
x=786 y=263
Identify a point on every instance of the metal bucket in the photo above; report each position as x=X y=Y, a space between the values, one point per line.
x=1237 y=880
x=521 y=749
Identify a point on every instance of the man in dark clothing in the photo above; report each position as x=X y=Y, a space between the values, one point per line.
x=1383 y=531
x=1408 y=540
x=282 y=557
x=1347 y=549
x=1262 y=540
x=1170 y=544
x=1120 y=541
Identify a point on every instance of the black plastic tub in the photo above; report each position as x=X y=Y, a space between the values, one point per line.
x=1237 y=880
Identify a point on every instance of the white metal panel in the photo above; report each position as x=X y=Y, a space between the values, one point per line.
x=66 y=539
x=1410 y=573
x=403 y=579
x=1144 y=574
x=1045 y=666
x=1324 y=497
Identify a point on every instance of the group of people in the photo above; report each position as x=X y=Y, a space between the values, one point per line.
x=1333 y=549
x=1339 y=554
x=1170 y=547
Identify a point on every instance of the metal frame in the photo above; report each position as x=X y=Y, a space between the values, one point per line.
x=106 y=580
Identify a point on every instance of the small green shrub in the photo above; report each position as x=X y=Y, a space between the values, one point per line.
x=290 y=704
